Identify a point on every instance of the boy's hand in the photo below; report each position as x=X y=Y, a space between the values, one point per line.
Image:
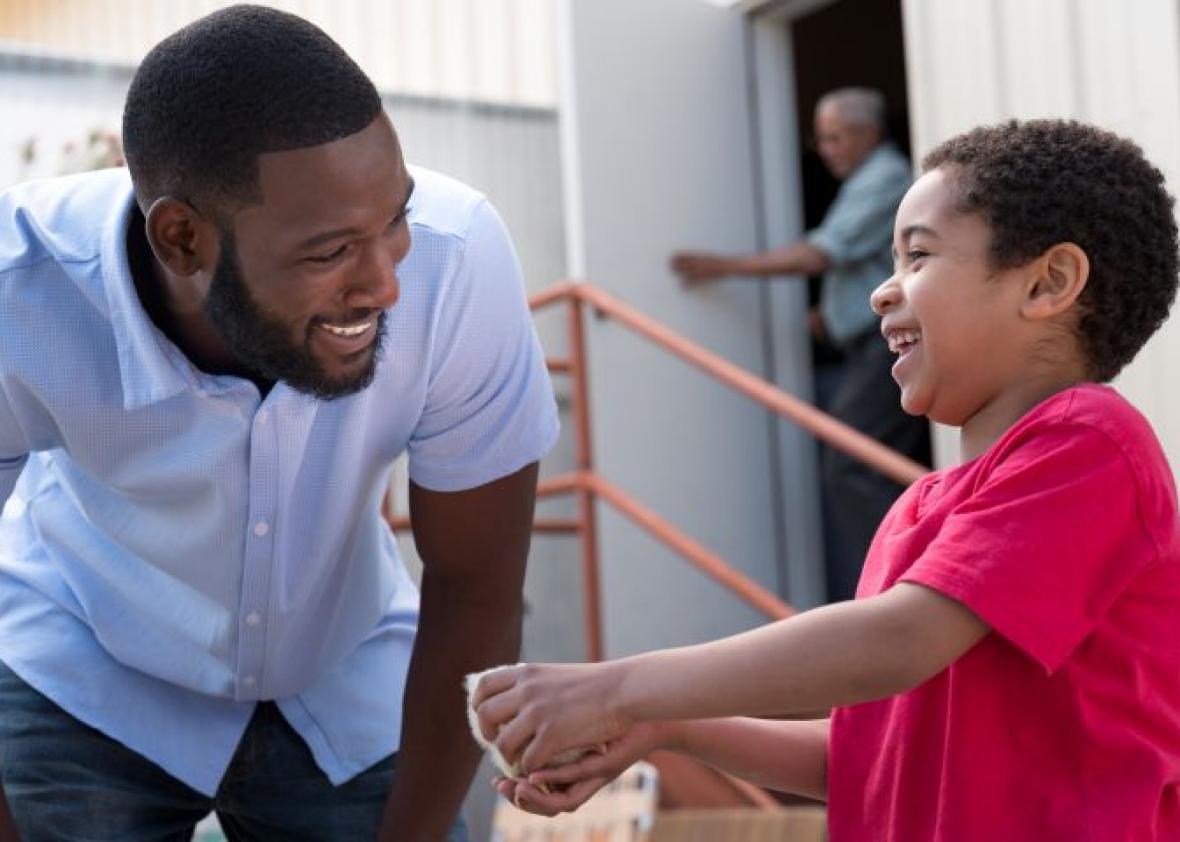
x=534 y=712
x=525 y=796
x=563 y=789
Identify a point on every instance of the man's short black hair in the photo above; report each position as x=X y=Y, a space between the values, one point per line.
x=212 y=97
x=1043 y=182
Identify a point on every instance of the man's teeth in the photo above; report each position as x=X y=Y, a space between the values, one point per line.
x=902 y=339
x=346 y=330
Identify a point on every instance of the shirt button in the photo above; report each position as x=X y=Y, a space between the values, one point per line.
x=253 y=618
x=261 y=528
x=248 y=681
x=263 y=416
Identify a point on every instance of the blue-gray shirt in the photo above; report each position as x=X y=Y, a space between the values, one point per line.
x=857 y=235
x=177 y=546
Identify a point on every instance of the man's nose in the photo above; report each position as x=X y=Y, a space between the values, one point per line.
x=376 y=283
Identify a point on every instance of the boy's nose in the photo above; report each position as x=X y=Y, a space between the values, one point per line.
x=886 y=296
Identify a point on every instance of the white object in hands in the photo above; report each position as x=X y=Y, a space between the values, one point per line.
x=509 y=770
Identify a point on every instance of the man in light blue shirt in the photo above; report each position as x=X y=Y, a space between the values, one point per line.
x=207 y=367
x=852 y=250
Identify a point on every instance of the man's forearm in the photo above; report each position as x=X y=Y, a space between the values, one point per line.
x=438 y=758
x=797 y=259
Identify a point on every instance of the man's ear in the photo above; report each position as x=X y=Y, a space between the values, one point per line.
x=1058 y=278
x=182 y=239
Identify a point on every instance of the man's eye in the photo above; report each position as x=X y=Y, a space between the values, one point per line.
x=915 y=255
x=328 y=258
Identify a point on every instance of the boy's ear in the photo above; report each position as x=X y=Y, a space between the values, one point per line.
x=181 y=238
x=1059 y=276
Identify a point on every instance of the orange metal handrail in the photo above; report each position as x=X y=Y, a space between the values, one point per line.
x=839 y=435
x=589 y=486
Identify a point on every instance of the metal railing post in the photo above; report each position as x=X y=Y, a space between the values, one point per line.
x=588 y=532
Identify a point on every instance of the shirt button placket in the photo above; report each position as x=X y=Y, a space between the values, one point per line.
x=259 y=555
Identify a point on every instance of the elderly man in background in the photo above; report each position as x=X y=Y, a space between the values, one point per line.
x=852 y=250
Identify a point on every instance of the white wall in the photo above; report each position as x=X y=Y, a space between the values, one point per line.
x=1116 y=64
x=489 y=50
x=658 y=156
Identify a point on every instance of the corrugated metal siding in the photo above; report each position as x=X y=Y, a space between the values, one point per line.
x=1115 y=64
x=489 y=50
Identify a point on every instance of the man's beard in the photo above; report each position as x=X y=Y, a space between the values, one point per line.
x=263 y=344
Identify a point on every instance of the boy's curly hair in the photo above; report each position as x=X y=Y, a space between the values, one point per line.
x=1042 y=182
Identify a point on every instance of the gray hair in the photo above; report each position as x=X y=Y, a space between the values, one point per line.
x=862 y=106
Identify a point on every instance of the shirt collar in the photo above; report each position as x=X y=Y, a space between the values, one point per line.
x=151 y=368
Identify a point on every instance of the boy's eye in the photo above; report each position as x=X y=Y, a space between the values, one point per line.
x=915 y=255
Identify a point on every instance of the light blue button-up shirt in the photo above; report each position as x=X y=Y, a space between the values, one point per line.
x=857 y=237
x=176 y=547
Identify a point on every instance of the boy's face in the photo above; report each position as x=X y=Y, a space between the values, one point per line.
x=951 y=316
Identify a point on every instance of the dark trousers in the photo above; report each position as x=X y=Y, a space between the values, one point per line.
x=66 y=782
x=855 y=497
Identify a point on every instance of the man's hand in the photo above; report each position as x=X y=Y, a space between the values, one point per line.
x=696 y=267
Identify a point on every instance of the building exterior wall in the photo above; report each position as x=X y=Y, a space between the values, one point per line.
x=1116 y=64
x=656 y=133
x=488 y=50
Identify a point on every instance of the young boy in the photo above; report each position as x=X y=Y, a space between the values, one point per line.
x=1010 y=669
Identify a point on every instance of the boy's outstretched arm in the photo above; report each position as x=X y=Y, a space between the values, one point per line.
x=836 y=655
x=788 y=756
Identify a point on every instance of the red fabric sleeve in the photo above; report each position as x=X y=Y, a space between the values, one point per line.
x=1046 y=544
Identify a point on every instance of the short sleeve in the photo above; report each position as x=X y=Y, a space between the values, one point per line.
x=489 y=408
x=1047 y=543
x=859 y=224
x=14 y=449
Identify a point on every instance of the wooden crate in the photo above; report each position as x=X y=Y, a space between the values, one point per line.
x=626 y=811
x=791 y=824
x=622 y=811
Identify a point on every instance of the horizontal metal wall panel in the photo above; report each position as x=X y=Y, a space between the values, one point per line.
x=1116 y=64
x=489 y=50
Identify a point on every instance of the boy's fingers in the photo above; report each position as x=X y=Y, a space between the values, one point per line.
x=536 y=752
x=513 y=738
x=550 y=804
x=590 y=766
x=493 y=713
x=494 y=683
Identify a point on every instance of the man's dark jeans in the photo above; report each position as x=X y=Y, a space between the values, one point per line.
x=66 y=782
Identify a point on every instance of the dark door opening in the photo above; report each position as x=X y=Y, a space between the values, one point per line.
x=846 y=43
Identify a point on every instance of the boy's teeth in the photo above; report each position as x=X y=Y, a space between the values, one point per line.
x=902 y=338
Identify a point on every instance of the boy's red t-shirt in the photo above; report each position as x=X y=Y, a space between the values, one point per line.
x=1063 y=723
